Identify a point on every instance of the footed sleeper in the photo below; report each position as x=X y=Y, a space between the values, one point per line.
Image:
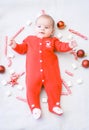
x=42 y=69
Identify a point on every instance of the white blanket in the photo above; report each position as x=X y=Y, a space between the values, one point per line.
x=15 y=114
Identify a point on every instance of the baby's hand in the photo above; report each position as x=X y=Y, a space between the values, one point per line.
x=12 y=43
x=73 y=44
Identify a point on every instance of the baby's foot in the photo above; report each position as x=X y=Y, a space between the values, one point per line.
x=36 y=113
x=57 y=110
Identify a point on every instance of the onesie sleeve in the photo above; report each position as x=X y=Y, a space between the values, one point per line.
x=21 y=48
x=61 y=46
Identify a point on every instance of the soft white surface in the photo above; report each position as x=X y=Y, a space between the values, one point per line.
x=15 y=114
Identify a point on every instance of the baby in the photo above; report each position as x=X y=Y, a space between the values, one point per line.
x=42 y=67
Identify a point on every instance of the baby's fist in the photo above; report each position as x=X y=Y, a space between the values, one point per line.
x=12 y=43
x=73 y=44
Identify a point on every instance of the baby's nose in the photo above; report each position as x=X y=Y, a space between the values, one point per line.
x=42 y=28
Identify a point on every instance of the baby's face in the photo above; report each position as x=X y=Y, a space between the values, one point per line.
x=44 y=27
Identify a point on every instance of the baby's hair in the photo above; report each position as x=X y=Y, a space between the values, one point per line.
x=47 y=16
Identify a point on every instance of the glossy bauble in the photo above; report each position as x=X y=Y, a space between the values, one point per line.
x=61 y=25
x=80 y=53
x=85 y=63
x=2 y=69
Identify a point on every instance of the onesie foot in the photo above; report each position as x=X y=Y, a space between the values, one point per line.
x=36 y=113
x=57 y=110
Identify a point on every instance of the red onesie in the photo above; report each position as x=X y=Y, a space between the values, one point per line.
x=42 y=68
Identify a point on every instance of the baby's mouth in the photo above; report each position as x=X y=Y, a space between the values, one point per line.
x=41 y=32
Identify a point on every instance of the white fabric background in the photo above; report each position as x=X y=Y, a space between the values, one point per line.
x=15 y=114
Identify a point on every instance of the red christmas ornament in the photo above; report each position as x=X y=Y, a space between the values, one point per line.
x=2 y=69
x=85 y=63
x=61 y=25
x=80 y=53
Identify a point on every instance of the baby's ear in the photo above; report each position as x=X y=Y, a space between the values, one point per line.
x=53 y=32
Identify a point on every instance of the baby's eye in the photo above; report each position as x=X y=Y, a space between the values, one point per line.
x=46 y=27
x=39 y=26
